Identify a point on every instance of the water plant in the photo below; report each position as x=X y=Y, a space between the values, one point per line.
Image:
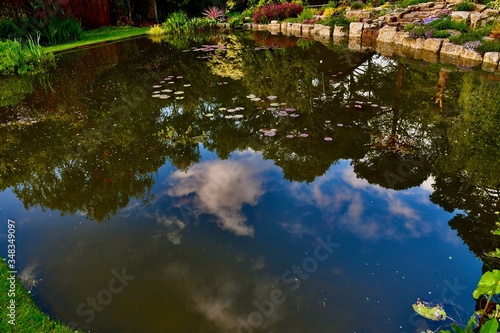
x=24 y=57
x=176 y=22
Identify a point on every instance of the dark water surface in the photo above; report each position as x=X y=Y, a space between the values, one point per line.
x=366 y=182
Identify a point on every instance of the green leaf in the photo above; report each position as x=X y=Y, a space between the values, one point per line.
x=490 y=327
x=457 y=329
x=489 y=284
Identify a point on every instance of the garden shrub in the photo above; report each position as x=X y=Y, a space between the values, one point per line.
x=280 y=12
x=357 y=5
x=340 y=21
x=488 y=46
x=466 y=6
x=472 y=35
x=329 y=12
x=176 y=22
x=9 y=30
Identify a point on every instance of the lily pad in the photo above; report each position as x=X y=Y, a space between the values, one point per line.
x=290 y=136
x=164 y=96
x=275 y=104
x=340 y=125
x=222 y=109
x=228 y=116
x=209 y=115
x=238 y=116
x=294 y=115
x=304 y=135
x=187 y=85
x=251 y=96
x=255 y=99
x=272 y=97
x=180 y=92
x=435 y=313
x=231 y=110
x=166 y=90
x=157 y=86
x=327 y=138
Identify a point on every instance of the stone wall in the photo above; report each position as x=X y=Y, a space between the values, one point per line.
x=385 y=35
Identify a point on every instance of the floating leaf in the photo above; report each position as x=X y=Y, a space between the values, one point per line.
x=209 y=115
x=180 y=92
x=304 y=135
x=270 y=133
x=180 y=77
x=157 y=91
x=282 y=114
x=164 y=96
x=155 y=95
x=374 y=105
x=231 y=110
x=157 y=86
x=272 y=97
x=489 y=284
x=228 y=116
x=187 y=85
x=166 y=90
x=290 y=109
x=357 y=106
x=275 y=104
x=327 y=138
x=290 y=136
x=240 y=108
x=430 y=312
x=251 y=96
x=340 y=125
x=255 y=99
x=327 y=121
x=294 y=115
x=238 y=116
x=222 y=109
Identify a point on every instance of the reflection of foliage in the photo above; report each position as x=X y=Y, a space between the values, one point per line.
x=228 y=62
x=13 y=90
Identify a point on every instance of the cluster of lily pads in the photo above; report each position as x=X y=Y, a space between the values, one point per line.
x=229 y=112
x=164 y=93
x=208 y=49
x=360 y=105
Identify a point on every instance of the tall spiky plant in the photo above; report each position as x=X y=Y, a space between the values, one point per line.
x=213 y=12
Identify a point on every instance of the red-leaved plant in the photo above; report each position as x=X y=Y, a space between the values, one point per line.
x=279 y=12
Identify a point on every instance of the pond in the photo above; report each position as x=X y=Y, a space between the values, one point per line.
x=249 y=183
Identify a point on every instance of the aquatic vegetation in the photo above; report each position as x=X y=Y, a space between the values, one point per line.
x=24 y=58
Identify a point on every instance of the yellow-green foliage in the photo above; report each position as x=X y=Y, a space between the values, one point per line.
x=329 y=12
x=156 y=30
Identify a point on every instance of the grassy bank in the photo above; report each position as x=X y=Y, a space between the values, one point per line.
x=100 y=35
x=28 y=318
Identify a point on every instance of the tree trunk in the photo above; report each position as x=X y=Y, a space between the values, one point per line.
x=152 y=13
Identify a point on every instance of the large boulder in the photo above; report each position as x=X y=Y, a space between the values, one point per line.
x=432 y=45
x=339 y=32
x=490 y=61
x=386 y=35
x=460 y=16
x=356 y=30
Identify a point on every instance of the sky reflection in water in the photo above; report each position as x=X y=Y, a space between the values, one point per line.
x=222 y=236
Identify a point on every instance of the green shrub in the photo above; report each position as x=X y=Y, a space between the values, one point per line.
x=357 y=5
x=489 y=46
x=9 y=30
x=466 y=6
x=440 y=34
x=472 y=35
x=339 y=20
x=59 y=30
x=306 y=14
x=409 y=27
x=24 y=57
x=176 y=22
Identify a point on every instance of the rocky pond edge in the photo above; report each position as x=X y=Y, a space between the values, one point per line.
x=384 y=35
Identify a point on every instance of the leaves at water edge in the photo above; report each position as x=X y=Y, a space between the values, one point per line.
x=489 y=284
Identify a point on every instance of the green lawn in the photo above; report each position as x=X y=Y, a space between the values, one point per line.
x=28 y=318
x=100 y=35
